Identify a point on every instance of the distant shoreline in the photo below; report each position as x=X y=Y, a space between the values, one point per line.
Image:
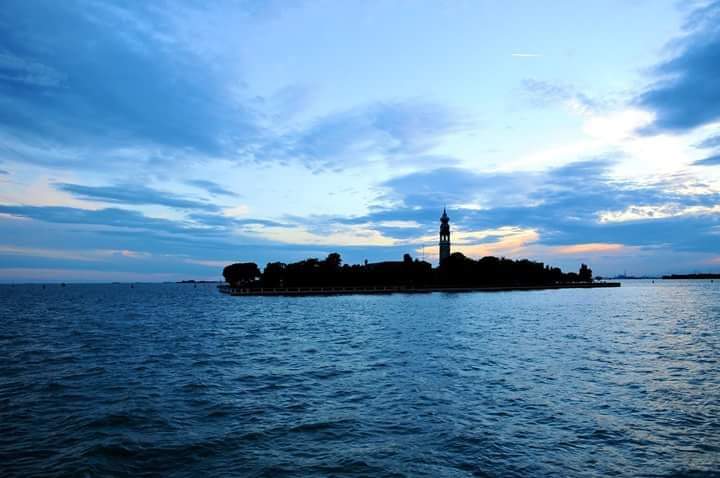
x=327 y=291
x=691 y=276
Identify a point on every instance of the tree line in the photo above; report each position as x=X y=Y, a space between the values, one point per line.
x=455 y=271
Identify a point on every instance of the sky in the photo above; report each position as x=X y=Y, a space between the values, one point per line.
x=159 y=141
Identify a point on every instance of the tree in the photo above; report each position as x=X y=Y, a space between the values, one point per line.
x=274 y=274
x=333 y=261
x=241 y=273
x=585 y=274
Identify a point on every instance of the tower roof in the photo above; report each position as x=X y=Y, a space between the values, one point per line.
x=444 y=216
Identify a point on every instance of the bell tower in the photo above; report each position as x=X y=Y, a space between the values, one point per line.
x=444 y=236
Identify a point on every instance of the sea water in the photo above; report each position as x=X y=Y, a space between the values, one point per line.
x=180 y=380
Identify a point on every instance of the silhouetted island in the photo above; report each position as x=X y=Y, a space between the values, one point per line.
x=456 y=272
x=193 y=281
x=692 y=276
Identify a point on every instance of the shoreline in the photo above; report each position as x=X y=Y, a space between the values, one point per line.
x=327 y=291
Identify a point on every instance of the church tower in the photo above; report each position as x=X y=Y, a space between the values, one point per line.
x=444 y=236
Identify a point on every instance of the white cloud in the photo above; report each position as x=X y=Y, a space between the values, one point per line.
x=616 y=126
x=236 y=211
x=642 y=213
x=345 y=235
x=399 y=224
x=589 y=248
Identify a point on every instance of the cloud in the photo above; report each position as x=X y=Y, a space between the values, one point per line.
x=134 y=194
x=459 y=186
x=553 y=215
x=231 y=221
x=197 y=230
x=400 y=130
x=136 y=231
x=72 y=255
x=566 y=206
x=79 y=232
x=399 y=224
x=659 y=211
x=46 y=253
x=711 y=142
x=580 y=182
x=504 y=241
x=211 y=187
x=17 y=70
x=77 y=242
x=159 y=86
x=687 y=94
x=95 y=85
x=545 y=93
x=132 y=83
x=709 y=161
x=111 y=217
x=588 y=248
x=148 y=81
x=614 y=128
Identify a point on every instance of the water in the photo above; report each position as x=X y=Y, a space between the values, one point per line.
x=176 y=380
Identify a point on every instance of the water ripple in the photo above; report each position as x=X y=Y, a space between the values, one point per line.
x=171 y=380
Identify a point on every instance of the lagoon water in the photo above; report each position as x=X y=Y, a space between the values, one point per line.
x=177 y=380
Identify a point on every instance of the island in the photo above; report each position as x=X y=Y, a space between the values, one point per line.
x=704 y=276
x=455 y=272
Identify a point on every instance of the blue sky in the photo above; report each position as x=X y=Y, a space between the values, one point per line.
x=162 y=140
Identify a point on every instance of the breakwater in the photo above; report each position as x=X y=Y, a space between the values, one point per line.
x=303 y=291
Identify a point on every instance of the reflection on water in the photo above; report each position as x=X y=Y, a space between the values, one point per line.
x=176 y=380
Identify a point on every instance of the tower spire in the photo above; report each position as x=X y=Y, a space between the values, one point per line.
x=444 y=236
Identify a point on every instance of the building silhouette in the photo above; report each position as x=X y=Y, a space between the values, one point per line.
x=444 y=236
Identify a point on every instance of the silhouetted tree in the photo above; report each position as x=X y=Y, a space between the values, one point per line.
x=585 y=274
x=241 y=273
x=274 y=274
x=571 y=277
x=333 y=261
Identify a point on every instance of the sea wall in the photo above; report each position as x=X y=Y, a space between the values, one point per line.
x=304 y=291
